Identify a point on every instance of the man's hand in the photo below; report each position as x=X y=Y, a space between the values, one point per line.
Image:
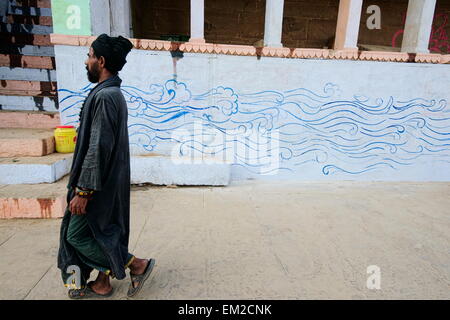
x=78 y=205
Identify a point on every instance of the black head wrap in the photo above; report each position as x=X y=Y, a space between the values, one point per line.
x=113 y=49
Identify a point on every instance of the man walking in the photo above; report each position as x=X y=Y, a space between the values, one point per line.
x=95 y=227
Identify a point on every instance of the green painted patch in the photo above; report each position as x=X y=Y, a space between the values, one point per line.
x=71 y=17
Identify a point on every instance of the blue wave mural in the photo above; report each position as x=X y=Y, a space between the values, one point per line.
x=268 y=131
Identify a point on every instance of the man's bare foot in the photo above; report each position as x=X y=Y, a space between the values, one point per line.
x=101 y=285
x=138 y=267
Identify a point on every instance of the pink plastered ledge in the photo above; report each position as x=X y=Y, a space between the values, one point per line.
x=242 y=50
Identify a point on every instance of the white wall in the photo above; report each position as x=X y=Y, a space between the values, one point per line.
x=321 y=119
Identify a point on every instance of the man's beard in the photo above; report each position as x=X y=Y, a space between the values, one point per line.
x=94 y=75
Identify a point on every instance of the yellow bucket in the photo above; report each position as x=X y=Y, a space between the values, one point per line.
x=65 y=139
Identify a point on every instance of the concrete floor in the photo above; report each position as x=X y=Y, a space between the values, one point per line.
x=270 y=240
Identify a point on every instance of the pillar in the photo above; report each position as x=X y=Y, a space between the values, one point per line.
x=112 y=17
x=100 y=17
x=120 y=18
x=419 y=22
x=273 y=26
x=347 y=29
x=197 y=21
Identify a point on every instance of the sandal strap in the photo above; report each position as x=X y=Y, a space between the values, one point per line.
x=77 y=292
x=139 y=277
x=136 y=278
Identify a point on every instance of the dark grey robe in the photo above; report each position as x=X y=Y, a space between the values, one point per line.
x=102 y=163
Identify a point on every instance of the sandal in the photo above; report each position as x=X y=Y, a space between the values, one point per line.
x=87 y=292
x=140 y=279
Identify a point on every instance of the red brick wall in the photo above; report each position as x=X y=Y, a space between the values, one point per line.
x=309 y=24
x=234 y=21
x=226 y=21
x=306 y=23
x=154 y=18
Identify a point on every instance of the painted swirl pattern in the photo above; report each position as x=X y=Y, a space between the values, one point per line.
x=296 y=128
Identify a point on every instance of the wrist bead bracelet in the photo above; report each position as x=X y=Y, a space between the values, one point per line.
x=84 y=194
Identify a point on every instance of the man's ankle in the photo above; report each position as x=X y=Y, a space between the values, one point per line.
x=102 y=283
x=137 y=265
x=102 y=277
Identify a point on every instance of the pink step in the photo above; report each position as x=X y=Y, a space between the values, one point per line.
x=29 y=119
x=40 y=201
x=42 y=208
x=20 y=142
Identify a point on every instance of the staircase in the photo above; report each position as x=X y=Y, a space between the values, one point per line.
x=27 y=153
x=30 y=170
